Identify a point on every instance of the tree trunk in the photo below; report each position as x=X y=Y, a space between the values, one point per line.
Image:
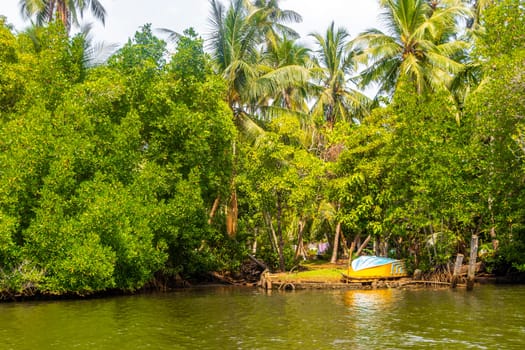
x=273 y=236
x=300 y=249
x=282 y=266
x=383 y=248
x=231 y=215
x=333 y=260
x=377 y=246
x=495 y=242
x=344 y=243
x=214 y=209
x=358 y=253
x=254 y=246
x=351 y=251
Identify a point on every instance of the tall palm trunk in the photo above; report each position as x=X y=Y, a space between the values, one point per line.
x=231 y=215
x=333 y=260
x=63 y=14
x=282 y=265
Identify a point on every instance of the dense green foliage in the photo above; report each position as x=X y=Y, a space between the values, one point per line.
x=158 y=164
x=98 y=169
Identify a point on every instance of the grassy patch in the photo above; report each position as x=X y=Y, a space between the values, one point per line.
x=317 y=275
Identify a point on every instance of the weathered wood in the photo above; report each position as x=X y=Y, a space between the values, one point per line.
x=472 y=262
x=457 y=270
x=265 y=281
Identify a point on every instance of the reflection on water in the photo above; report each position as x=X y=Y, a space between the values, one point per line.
x=230 y=318
x=369 y=301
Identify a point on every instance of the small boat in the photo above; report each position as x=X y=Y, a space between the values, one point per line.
x=375 y=267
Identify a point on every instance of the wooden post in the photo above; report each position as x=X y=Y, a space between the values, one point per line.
x=472 y=262
x=457 y=270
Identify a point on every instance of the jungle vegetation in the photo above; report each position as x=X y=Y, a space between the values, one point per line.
x=160 y=163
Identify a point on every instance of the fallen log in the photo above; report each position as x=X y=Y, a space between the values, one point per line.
x=258 y=262
x=224 y=279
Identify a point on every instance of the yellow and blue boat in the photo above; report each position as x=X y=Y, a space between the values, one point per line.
x=375 y=267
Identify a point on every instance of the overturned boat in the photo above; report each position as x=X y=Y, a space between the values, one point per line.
x=375 y=267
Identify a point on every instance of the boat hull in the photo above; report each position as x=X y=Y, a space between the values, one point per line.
x=392 y=269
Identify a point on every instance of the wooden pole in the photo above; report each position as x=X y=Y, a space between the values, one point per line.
x=457 y=270
x=472 y=262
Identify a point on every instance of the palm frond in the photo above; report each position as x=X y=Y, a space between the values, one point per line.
x=250 y=130
x=172 y=35
x=98 y=11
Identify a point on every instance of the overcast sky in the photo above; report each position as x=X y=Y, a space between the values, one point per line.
x=124 y=17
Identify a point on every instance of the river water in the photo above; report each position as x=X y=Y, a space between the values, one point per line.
x=490 y=317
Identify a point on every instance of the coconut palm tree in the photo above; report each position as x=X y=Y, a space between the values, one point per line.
x=240 y=53
x=336 y=100
x=67 y=11
x=271 y=19
x=417 y=45
x=478 y=7
x=234 y=48
x=285 y=52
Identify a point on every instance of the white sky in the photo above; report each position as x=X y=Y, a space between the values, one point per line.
x=124 y=17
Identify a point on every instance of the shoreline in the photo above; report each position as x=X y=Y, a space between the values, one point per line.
x=271 y=282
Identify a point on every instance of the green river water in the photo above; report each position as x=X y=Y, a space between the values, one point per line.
x=490 y=317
